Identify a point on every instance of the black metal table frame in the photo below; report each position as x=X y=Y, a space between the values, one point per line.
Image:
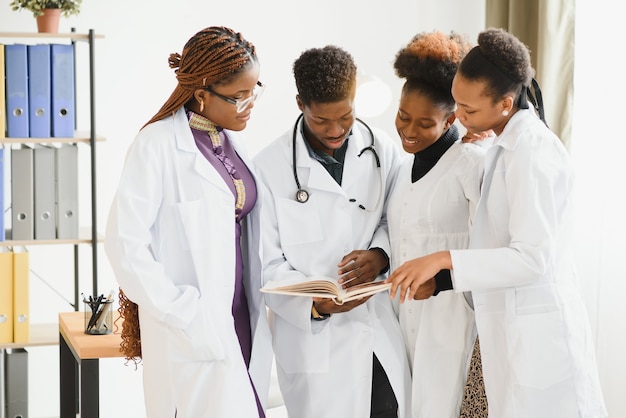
x=79 y=383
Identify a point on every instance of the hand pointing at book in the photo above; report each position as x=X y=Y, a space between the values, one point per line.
x=414 y=273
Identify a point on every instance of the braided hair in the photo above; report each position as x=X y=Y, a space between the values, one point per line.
x=212 y=56
x=429 y=62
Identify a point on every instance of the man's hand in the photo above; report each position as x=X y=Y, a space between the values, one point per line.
x=328 y=306
x=361 y=266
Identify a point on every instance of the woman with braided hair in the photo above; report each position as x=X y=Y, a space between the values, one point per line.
x=536 y=344
x=183 y=237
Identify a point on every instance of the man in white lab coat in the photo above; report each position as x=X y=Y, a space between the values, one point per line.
x=326 y=181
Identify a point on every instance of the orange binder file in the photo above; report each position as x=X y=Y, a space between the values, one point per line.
x=21 y=306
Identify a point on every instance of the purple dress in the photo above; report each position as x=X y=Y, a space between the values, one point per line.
x=223 y=157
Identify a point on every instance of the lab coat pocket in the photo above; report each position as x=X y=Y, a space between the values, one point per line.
x=540 y=357
x=299 y=223
x=299 y=351
x=200 y=340
x=200 y=219
x=190 y=216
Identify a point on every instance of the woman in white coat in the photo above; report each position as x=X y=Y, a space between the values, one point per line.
x=430 y=209
x=322 y=217
x=183 y=239
x=537 y=353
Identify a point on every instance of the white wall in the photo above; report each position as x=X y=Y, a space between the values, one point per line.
x=133 y=80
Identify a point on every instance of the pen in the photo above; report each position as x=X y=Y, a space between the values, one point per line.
x=104 y=312
x=95 y=305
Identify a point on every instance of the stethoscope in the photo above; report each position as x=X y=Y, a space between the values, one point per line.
x=302 y=195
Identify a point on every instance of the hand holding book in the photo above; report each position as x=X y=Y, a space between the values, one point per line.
x=362 y=266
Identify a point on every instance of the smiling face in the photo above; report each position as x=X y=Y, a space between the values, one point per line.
x=327 y=125
x=419 y=122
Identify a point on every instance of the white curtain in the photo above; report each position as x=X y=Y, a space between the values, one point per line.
x=576 y=49
x=598 y=149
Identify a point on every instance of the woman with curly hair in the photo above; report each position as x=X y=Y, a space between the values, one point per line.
x=183 y=240
x=430 y=208
x=536 y=345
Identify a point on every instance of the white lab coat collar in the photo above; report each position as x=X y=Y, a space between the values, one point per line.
x=509 y=137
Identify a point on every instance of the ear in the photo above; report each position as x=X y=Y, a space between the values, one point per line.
x=300 y=103
x=202 y=95
x=506 y=104
x=450 y=120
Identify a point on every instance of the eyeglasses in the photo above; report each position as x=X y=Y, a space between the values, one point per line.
x=241 y=104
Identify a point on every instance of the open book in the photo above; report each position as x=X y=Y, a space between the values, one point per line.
x=324 y=287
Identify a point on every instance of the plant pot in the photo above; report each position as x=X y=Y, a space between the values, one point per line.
x=49 y=21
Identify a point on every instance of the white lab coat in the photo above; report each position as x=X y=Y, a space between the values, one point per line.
x=535 y=340
x=170 y=240
x=325 y=367
x=433 y=214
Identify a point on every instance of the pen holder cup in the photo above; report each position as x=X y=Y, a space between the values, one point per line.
x=98 y=316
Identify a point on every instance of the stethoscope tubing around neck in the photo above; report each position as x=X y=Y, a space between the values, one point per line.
x=302 y=195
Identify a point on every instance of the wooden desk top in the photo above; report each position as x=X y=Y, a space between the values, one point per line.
x=85 y=346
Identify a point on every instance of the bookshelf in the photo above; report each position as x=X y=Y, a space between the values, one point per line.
x=47 y=334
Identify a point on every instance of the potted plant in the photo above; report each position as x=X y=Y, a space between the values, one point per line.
x=66 y=7
x=45 y=10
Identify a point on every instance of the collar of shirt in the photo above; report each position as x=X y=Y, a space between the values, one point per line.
x=201 y=123
x=332 y=164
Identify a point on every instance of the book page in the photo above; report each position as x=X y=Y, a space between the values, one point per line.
x=364 y=289
x=324 y=287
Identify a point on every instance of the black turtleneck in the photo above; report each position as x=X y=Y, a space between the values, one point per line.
x=422 y=163
x=426 y=159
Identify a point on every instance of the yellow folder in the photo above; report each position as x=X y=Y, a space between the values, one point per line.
x=21 y=305
x=6 y=295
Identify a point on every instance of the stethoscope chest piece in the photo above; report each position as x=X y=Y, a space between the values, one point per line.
x=302 y=195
